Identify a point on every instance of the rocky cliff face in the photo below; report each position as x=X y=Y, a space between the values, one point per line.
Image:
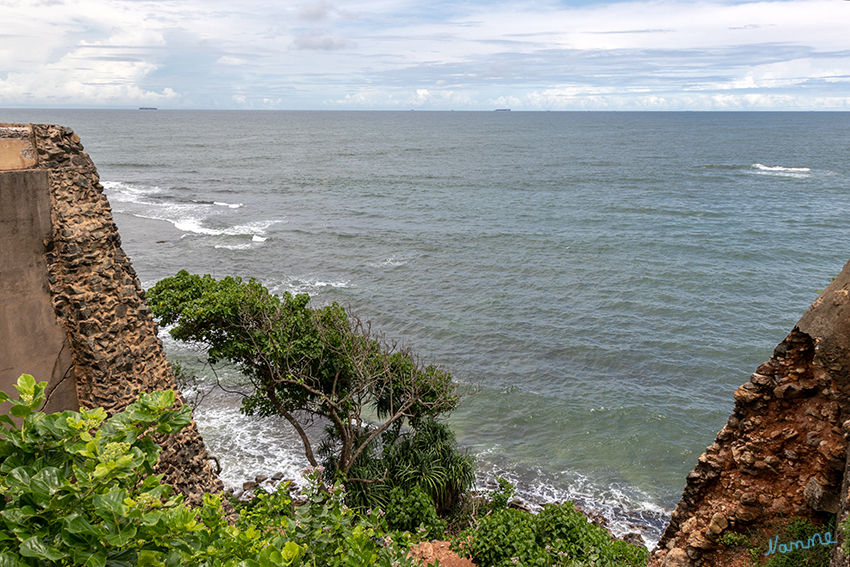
x=111 y=350
x=783 y=452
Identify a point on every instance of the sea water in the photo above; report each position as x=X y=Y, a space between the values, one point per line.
x=602 y=281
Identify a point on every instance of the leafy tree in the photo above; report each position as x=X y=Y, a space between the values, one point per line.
x=306 y=363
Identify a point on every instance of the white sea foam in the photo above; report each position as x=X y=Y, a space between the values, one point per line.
x=191 y=218
x=228 y=205
x=627 y=510
x=308 y=285
x=780 y=171
x=248 y=446
x=779 y=168
x=122 y=188
x=121 y=192
x=392 y=262
x=256 y=238
x=193 y=225
x=234 y=246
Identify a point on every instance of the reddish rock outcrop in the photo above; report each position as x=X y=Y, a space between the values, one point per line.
x=93 y=335
x=783 y=452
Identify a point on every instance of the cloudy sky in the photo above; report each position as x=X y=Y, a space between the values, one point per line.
x=402 y=54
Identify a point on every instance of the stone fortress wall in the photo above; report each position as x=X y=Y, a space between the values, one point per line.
x=72 y=310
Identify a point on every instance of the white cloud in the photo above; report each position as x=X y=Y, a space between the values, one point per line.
x=674 y=54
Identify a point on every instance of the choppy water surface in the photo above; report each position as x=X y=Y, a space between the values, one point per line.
x=606 y=280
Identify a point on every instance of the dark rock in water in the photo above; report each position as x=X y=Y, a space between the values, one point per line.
x=277 y=476
x=518 y=505
x=633 y=538
x=248 y=485
x=596 y=518
x=260 y=479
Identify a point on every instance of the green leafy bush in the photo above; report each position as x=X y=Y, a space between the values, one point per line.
x=557 y=536
x=336 y=536
x=500 y=497
x=79 y=489
x=506 y=538
x=414 y=511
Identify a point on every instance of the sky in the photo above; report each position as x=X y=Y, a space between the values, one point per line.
x=404 y=54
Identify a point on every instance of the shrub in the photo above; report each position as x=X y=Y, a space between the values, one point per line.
x=500 y=497
x=414 y=511
x=335 y=536
x=504 y=539
x=558 y=536
x=79 y=489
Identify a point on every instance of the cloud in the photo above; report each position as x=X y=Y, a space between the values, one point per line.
x=316 y=11
x=107 y=72
x=640 y=54
x=321 y=40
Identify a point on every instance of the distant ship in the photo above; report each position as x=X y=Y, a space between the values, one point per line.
x=503 y=110
x=147 y=108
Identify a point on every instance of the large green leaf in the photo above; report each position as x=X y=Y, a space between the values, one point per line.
x=35 y=547
x=89 y=559
x=77 y=524
x=20 y=478
x=111 y=504
x=25 y=385
x=119 y=535
x=47 y=481
x=20 y=411
x=10 y=560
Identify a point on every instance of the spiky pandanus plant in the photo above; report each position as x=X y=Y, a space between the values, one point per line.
x=426 y=457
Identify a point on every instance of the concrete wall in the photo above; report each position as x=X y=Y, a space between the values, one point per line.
x=32 y=339
x=72 y=311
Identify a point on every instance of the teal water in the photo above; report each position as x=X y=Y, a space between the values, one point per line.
x=605 y=280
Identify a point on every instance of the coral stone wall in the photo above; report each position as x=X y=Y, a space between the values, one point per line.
x=98 y=301
x=783 y=452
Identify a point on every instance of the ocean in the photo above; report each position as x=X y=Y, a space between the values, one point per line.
x=600 y=283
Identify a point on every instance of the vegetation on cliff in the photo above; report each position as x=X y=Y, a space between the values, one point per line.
x=80 y=490
x=306 y=363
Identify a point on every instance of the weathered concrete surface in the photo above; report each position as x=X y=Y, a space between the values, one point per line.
x=61 y=254
x=783 y=452
x=32 y=338
x=17 y=149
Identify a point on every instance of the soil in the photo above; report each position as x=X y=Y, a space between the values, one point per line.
x=429 y=553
